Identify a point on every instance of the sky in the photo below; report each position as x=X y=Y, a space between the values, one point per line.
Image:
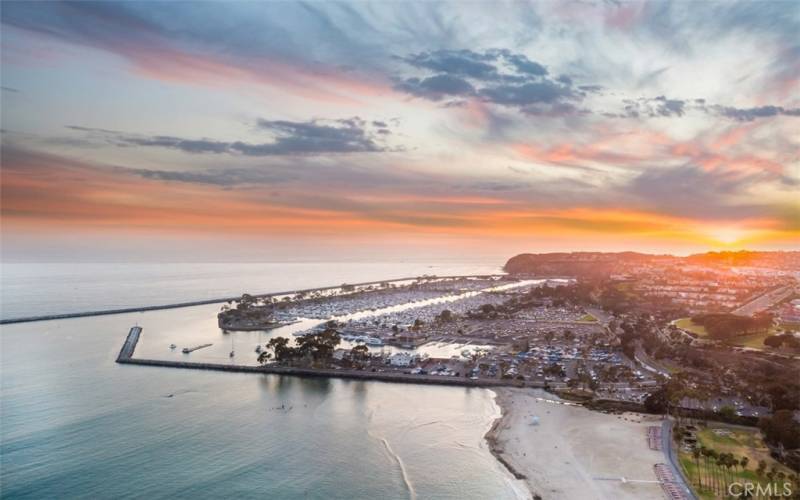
x=397 y=130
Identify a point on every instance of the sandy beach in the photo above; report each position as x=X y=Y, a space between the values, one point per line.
x=574 y=452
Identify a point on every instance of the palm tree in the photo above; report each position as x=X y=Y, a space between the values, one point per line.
x=696 y=455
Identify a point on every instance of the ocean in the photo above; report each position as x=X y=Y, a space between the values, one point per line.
x=74 y=424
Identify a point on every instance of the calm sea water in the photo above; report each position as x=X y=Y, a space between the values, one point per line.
x=31 y=289
x=73 y=424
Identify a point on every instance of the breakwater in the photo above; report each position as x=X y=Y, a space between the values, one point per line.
x=220 y=300
x=128 y=348
x=130 y=344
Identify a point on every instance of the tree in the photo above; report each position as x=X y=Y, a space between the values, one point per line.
x=773 y=341
x=280 y=346
x=762 y=466
x=319 y=346
x=657 y=401
x=445 y=316
x=781 y=429
x=696 y=456
x=359 y=352
x=264 y=356
x=727 y=412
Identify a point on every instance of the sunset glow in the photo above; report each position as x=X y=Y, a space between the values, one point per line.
x=579 y=126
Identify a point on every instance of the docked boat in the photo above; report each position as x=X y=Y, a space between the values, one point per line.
x=374 y=341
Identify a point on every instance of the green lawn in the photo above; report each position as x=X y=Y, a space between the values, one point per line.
x=755 y=341
x=740 y=442
x=690 y=326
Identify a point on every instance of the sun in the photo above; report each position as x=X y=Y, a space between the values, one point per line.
x=728 y=235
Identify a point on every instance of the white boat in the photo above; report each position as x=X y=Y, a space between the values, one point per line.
x=374 y=341
x=172 y=346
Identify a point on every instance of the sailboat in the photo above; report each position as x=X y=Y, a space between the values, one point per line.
x=232 y=352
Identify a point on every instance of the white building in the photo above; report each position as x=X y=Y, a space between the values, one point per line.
x=401 y=359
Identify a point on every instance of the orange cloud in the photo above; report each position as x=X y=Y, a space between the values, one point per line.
x=42 y=193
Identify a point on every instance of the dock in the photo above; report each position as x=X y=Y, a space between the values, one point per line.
x=187 y=350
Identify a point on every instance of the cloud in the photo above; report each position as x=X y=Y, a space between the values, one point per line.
x=495 y=76
x=691 y=191
x=464 y=63
x=750 y=114
x=228 y=177
x=526 y=94
x=654 y=107
x=290 y=138
x=216 y=44
x=436 y=88
x=526 y=66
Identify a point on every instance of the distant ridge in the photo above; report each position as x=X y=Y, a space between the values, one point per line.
x=605 y=263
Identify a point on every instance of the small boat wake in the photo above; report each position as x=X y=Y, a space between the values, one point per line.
x=412 y=494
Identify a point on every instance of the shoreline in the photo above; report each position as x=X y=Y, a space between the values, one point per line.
x=573 y=452
x=491 y=438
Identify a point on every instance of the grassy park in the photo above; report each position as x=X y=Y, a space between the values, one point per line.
x=755 y=340
x=728 y=454
x=690 y=326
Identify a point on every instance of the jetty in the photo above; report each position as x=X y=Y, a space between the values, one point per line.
x=187 y=350
x=130 y=344
x=128 y=348
x=219 y=300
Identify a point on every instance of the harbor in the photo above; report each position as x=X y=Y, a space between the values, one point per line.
x=129 y=346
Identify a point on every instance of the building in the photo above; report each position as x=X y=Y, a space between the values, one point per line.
x=402 y=359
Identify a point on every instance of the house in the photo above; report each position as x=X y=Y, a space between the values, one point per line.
x=401 y=359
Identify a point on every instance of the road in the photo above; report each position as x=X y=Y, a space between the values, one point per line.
x=764 y=301
x=672 y=460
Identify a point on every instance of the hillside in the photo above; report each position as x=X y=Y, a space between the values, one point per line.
x=605 y=263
